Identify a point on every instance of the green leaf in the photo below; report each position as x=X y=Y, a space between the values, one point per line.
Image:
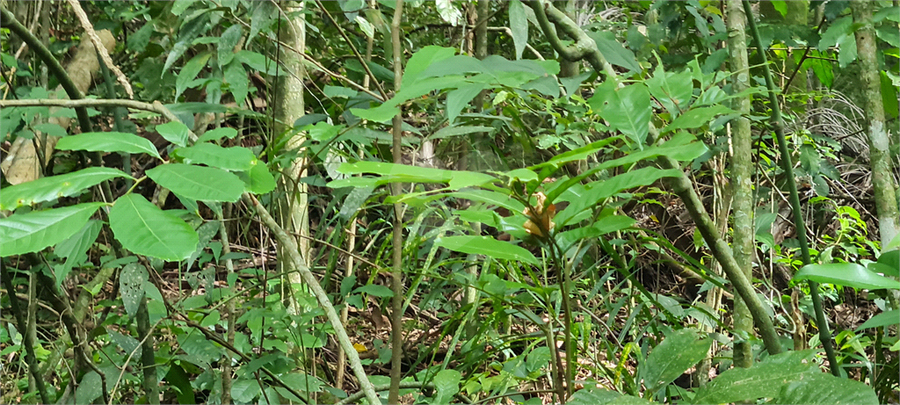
x=448 y=132
x=826 y=389
x=422 y=59
x=218 y=133
x=131 y=285
x=613 y=51
x=519 y=26
x=883 y=319
x=488 y=246
x=34 y=231
x=258 y=180
x=677 y=353
x=227 y=42
x=235 y=158
x=127 y=343
x=197 y=182
x=380 y=114
x=174 y=132
x=490 y=197
x=259 y=62
x=626 y=109
x=108 y=142
x=244 y=390
x=847 y=275
x=459 y=98
x=145 y=229
x=764 y=380
x=51 y=188
x=181 y=381
x=697 y=117
x=75 y=248
x=780 y=6
x=90 y=388
x=237 y=81
x=446 y=385
x=593 y=395
x=602 y=227
x=673 y=90
x=189 y=72
x=376 y=290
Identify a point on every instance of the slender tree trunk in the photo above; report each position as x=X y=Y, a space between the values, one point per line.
x=293 y=207
x=396 y=189
x=741 y=175
x=879 y=141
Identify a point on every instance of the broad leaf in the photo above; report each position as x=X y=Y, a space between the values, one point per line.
x=678 y=352
x=518 y=26
x=145 y=229
x=485 y=245
x=34 y=231
x=593 y=395
x=697 y=117
x=764 y=380
x=376 y=290
x=174 y=132
x=422 y=59
x=51 y=188
x=218 y=133
x=883 y=319
x=89 y=389
x=75 y=248
x=446 y=385
x=626 y=109
x=108 y=142
x=258 y=180
x=613 y=51
x=198 y=182
x=847 y=275
x=826 y=389
x=190 y=71
x=673 y=90
x=131 y=285
x=235 y=158
x=459 y=98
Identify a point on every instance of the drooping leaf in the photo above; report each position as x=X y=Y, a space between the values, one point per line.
x=235 y=158
x=888 y=318
x=847 y=275
x=677 y=353
x=145 y=229
x=53 y=187
x=238 y=82
x=108 y=142
x=763 y=380
x=89 y=389
x=826 y=389
x=488 y=246
x=446 y=385
x=422 y=59
x=593 y=395
x=189 y=72
x=613 y=51
x=375 y=290
x=697 y=117
x=626 y=109
x=258 y=180
x=36 y=230
x=459 y=98
x=174 y=132
x=673 y=90
x=75 y=248
x=131 y=285
x=198 y=182
x=227 y=42
x=518 y=25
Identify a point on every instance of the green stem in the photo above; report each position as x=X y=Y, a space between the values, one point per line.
x=788 y=167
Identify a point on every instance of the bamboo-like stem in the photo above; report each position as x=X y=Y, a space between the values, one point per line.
x=788 y=167
x=397 y=189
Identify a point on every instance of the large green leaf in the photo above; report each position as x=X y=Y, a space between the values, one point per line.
x=613 y=50
x=190 y=71
x=31 y=232
x=145 y=229
x=422 y=59
x=518 y=26
x=198 y=182
x=847 y=275
x=174 y=132
x=75 y=249
x=697 y=117
x=131 y=286
x=673 y=90
x=397 y=173
x=826 y=389
x=51 y=188
x=678 y=352
x=459 y=98
x=883 y=319
x=446 y=385
x=235 y=158
x=108 y=142
x=764 y=380
x=626 y=109
x=258 y=180
x=593 y=395
x=485 y=245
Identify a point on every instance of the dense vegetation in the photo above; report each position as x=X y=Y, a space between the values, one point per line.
x=516 y=202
